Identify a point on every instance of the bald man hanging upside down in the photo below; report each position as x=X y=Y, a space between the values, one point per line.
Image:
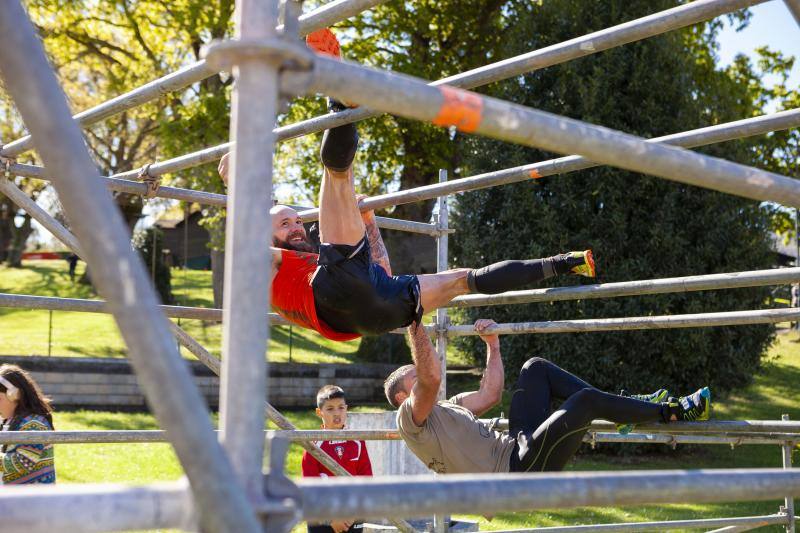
x=347 y=289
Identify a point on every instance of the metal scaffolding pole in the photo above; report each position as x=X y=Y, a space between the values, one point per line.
x=174 y=398
x=473 y=113
x=493 y=493
x=621 y=34
x=307 y=436
x=689 y=139
x=248 y=260
x=751 y=521
x=794 y=9
x=731 y=280
x=699 y=137
x=24 y=301
x=786 y=457
x=592 y=43
x=322 y=17
x=44 y=218
x=442 y=318
x=733 y=318
x=95 y=508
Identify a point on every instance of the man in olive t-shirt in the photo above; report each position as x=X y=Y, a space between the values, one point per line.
x=448 y=437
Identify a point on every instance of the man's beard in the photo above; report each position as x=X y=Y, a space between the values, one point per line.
x=298 y=246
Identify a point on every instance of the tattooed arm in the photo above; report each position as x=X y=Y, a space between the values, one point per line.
x=376 y=247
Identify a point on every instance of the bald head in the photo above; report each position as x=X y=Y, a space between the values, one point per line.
x=288 y=231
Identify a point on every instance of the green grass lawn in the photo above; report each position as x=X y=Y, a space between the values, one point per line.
x=773 y=393
x=28 y=332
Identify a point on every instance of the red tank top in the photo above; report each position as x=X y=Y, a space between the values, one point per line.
x=293 y=299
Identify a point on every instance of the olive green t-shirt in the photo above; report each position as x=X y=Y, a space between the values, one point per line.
x=453 y=441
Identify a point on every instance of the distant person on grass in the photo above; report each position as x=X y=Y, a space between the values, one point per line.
x=23 y=407
x=449 y=439
x=350 y=454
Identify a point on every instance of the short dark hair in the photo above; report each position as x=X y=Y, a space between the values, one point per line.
x=394 y=384
x=329 y=392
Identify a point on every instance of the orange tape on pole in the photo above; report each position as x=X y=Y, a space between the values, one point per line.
x=534 y=174
x=461 y=109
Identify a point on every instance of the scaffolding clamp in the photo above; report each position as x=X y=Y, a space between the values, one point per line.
x=7 y=162
x=222 y=55
x=152 y=182
x=281 y=494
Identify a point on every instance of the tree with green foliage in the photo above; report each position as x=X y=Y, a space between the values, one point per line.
x=639 y=226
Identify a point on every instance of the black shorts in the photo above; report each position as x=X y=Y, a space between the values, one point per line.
x=354 y=295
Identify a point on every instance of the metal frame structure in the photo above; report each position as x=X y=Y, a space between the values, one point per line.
x=226 y=490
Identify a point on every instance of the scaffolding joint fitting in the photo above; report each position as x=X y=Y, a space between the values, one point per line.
x=222 y=55
x=7 y=162
x=152 y=182
x=280 y=490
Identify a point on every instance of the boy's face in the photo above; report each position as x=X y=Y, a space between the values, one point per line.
x=333 y=413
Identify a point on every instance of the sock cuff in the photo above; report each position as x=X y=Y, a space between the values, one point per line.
x=471 y=283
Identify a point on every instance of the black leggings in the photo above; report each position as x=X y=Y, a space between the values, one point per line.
x=547 y=440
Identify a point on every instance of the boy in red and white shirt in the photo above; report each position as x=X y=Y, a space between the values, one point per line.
x=351 y=454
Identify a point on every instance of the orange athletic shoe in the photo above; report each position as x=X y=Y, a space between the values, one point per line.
x=324 y=42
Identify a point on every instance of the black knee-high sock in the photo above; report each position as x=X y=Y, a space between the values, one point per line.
x=339 y=144
x=509 y=275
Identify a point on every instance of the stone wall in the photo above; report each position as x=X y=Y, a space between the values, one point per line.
x=94 y=383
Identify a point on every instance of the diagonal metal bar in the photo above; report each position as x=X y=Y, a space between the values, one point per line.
x=689 y=139
x=794 y=9
x=473 y=113
x=592 y=43
x=119 y=275
x=493 y=493
x=205 y=357
x=732 y=280
x=44 y=218
x=668 y=525
x=322 y=17
x=733 y=318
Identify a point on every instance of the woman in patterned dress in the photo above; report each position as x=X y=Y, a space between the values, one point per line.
x=23 y=407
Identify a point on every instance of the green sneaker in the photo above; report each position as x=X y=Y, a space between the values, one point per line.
x=693 y=408
x=658 y=396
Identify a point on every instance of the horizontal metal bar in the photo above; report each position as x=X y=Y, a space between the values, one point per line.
x=757 y=521
x=314 y=435
x=40 y=215
x=689 y=139
x=731 y=280
x=95 y=508
x=474 y=113
x=628 y=32
x=24 y=301
x=322 y=17
x=210 y=198
x=738 y=427
x=699 y=137
x=493 y=493
x=733 y=318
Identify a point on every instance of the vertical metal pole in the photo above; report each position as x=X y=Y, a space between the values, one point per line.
x=796 y=286
x=441 y=521
x=247 y=255
x=120 y=276
x=789 y=501
x=153 y=257
x=50 y=335
x=442 y=318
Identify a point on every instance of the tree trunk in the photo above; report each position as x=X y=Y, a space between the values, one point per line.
x=6 y=222
x=18 y=241
x=217 y=275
